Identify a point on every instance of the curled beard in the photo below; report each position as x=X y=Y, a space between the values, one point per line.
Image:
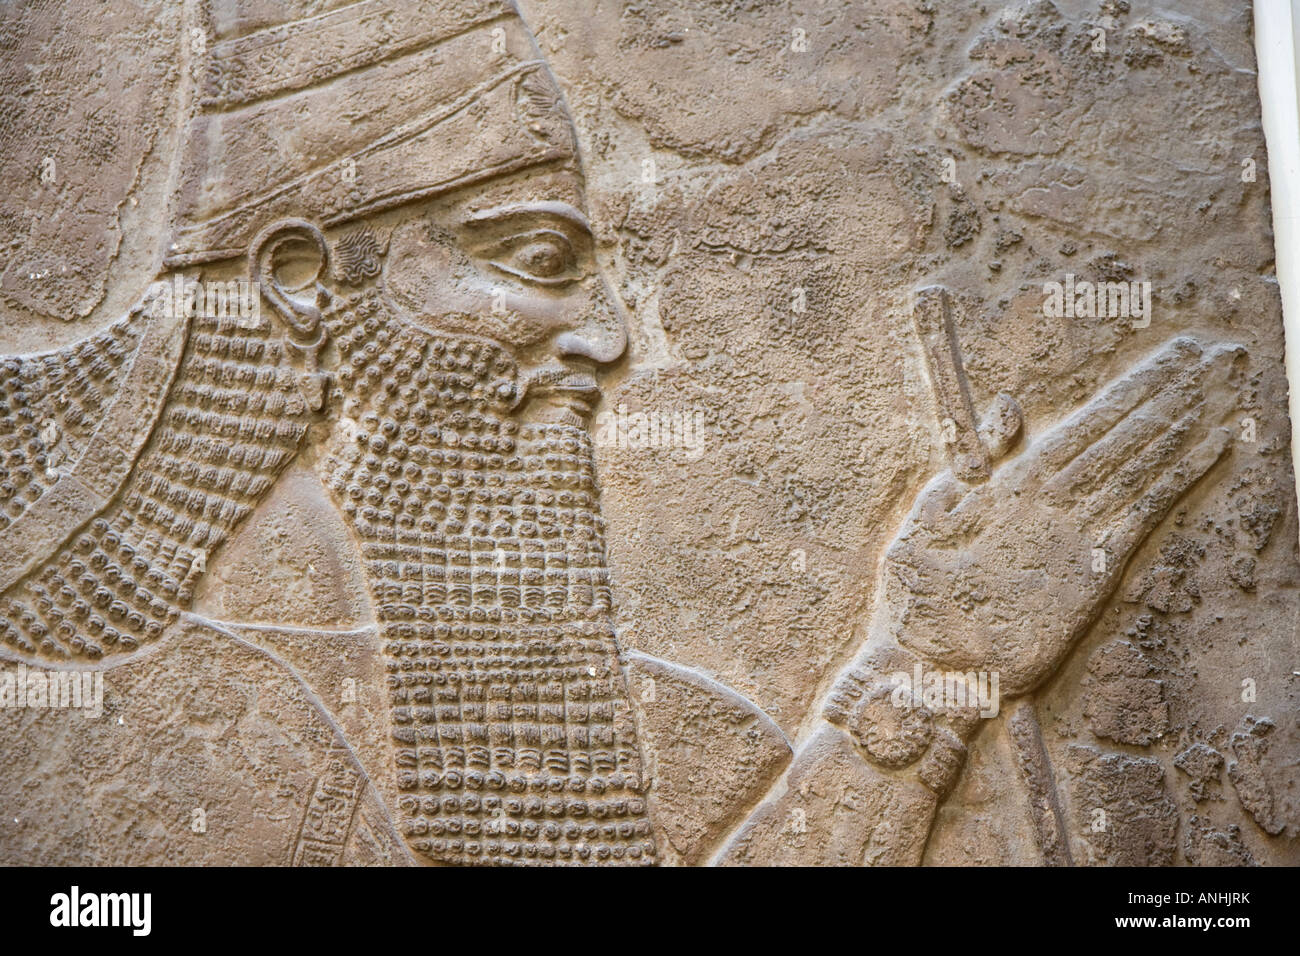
x=513 y=736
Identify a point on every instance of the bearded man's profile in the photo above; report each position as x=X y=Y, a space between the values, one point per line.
x=399 y=185
x=452 y=390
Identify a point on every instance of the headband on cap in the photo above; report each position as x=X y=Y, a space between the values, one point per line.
x=359 y=109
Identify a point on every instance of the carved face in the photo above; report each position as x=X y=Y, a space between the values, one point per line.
x=482 y=536
x=515 y=263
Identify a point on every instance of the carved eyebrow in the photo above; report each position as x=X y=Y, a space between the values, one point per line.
x=504 y=215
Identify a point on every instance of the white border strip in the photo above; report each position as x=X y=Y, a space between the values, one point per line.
x=1275 y=53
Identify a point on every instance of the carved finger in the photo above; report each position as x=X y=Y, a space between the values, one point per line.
x=1077 y=433
x=1102 y=505
x=1143 y=517
x=1125 y=446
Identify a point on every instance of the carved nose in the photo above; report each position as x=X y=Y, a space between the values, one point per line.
x=601 y=349
x=601 y=336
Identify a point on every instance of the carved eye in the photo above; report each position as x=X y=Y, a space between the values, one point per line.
x=545 y=257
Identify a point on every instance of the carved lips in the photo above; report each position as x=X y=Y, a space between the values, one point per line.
x=562 y=387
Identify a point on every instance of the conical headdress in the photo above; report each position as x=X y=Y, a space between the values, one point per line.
x=361 y=108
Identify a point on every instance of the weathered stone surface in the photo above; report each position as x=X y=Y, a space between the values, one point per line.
x=1122 y=809
x=1265 y=787
x=836 y=810
x=1124 y=702
x=84 y=174
x=1206 y=846
x=207 y=750
x=293 y=561
x=743 y=433
x=1202 y=764
x=710 y=754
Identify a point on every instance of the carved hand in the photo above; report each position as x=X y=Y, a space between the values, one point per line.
x=1005 y=575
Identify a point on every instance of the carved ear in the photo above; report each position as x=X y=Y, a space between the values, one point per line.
x=287 y=261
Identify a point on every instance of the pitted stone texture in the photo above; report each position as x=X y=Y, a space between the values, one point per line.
x=1202 y=764
x=710 y=753
x=200 y=722
x=1266 y=787
x=84 y=174
x=836 y=809
x=1206 y=846
x=1122 y=809
x=1125 y=697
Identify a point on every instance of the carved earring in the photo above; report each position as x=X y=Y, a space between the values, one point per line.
x=285 y=264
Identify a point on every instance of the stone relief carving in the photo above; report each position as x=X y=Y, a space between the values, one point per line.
x=328 y=508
